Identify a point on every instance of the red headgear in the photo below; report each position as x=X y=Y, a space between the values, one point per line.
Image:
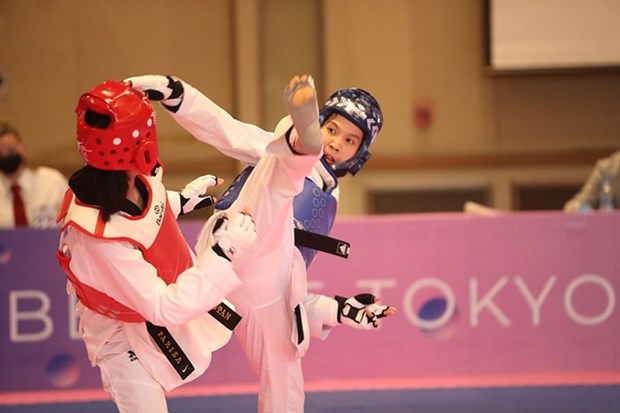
x=116 y=128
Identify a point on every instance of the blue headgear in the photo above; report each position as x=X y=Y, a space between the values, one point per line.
x=364 y=111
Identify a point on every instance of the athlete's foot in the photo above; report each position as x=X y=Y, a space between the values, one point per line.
x=302 y=89
x=301 y=102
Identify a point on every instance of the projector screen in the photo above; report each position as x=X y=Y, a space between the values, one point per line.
x=553 y=34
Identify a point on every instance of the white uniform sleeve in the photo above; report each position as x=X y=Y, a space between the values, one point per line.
x=211 y=124
x=322 y=313
x=175 y=202
x=119 y=270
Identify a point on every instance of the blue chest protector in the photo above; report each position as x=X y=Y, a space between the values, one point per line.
x=314 y=211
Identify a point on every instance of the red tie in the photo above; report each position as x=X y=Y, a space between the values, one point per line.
x=18 y=206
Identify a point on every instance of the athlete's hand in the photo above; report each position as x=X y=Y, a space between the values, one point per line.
x=362 y=311
x=167 y=89
x=194 y=197
x=235 y=237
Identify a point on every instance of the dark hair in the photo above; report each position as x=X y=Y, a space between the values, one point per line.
x=106 y=190
x=6 y=128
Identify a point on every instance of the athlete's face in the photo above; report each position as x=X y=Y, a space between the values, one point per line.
x=341 y=139
x=11 y=145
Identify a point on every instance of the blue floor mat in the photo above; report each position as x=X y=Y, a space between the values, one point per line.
x=557 y=399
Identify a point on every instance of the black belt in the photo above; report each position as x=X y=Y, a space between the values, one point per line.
x=171 y=349
x=225 y=315
x=321 y=243
x=168 y=345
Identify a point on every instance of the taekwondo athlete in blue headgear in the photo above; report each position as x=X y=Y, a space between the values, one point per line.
x=292 y=181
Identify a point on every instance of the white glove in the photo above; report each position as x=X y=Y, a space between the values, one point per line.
x=361 y=311
x=234 y=238
x=157 y=87
x=193 y=196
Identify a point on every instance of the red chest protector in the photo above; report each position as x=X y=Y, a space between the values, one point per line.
x=155 y=232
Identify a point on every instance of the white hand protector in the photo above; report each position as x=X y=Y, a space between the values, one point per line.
x=194 y=197
x=361 y=311
x=234 y=238
x=301 y=103
x=157 y=87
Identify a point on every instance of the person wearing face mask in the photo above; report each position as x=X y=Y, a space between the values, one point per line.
x=30 y=197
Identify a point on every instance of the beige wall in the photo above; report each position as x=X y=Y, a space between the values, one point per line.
x=52 y=51
x=486 y=130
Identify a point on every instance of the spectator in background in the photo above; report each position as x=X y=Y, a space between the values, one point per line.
x=589 y=196
x=29 y=196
